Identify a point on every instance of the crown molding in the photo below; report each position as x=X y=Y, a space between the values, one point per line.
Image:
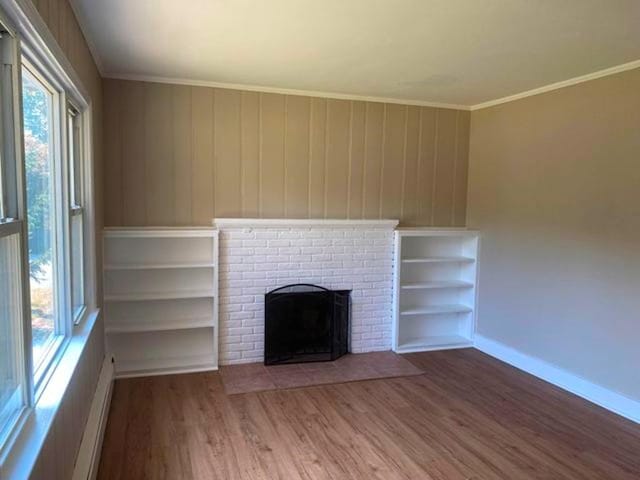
x=558 y=85
x=282 y=91
x=312 y=93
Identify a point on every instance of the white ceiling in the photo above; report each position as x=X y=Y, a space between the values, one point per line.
x=462 y=52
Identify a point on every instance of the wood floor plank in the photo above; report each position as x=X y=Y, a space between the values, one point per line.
x=468 y=417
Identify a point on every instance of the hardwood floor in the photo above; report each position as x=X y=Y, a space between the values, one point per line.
x=468 y=417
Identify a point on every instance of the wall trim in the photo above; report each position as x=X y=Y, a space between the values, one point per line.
x=302 y=223
x=32 y=28
x=558 y=85
x=88 y=457
x=364 y=98
x=282 y=91
x=608 y=399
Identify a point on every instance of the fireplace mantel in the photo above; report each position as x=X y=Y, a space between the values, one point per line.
x=302 y=223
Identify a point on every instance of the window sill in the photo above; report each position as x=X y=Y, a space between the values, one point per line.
x=22 y=454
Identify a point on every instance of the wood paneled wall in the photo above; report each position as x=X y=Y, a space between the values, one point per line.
x=181 y=155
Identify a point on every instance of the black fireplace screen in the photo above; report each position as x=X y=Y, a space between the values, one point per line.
x=306 y=323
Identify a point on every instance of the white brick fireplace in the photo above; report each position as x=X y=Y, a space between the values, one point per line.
x=259 y=255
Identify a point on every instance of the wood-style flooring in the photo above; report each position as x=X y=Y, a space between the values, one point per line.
x=468 y=417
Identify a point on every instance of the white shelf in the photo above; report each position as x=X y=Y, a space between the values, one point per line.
x=161 y=299
x=441 y=342
x=159 y=232
x=439 y=260
x=435 y=289
x=164 y=366
x=133 y=297
x=137 y=327
x=436 y=310
x=158 y=266
x=437 y=284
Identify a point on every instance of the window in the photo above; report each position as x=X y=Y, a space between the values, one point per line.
x=14 y=385
x=75 y=159
x=45 y=227
x=41 y=174
x=12 y=397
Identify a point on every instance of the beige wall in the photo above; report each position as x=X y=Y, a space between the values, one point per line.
x=554 y=187
x=180 y=155
x=59 y=451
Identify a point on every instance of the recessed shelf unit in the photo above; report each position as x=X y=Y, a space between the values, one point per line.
x=435 y=289
x=161 y=299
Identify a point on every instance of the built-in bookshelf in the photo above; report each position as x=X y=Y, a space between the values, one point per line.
x=435 y=289
x=161 y=299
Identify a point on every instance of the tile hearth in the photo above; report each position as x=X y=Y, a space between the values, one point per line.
x=255 y=377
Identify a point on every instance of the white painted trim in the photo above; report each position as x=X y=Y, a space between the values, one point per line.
x=608 y=399
x=160 y=232
x=88 y=457
x=282 y=91
x=401 y=101
x=437 y=232
x=556 y=86
x=302 y=223
x=32 y=28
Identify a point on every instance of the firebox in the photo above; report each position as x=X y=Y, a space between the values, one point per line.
x=306 y=323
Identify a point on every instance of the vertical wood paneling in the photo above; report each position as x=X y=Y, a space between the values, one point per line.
x=237 y=153
x=113 y=151
x=64 y=18
x=159 y=169
x=356 y=159
x=411 y=196
x=272 y=159
x=54 y=18
x=445 y=167
x=202 y=172
x=250 y=131
x=182 y=152
x=133 y=154
x=337 y=161
x=374 y=120
x=317 y=157
x=297 y=157
x=426 y=164
x=393 y=161
x=461 y=171
x=228 y=159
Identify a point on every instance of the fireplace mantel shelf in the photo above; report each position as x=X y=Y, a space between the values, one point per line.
x=302 y=223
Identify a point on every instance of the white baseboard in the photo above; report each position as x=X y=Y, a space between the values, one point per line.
x=597 y=394
x=88 y=458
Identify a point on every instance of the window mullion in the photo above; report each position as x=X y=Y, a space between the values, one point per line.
x=16 y=139
x=63 y=200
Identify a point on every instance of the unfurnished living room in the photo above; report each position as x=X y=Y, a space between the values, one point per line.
x=308 y=240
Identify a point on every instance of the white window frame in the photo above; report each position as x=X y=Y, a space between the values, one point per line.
x=12 y=214
x=76 y=196
x=19 y=452
x=60 y=240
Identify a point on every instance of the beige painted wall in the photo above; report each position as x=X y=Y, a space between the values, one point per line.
x=59 y=451
x=181 y=155
x=554 y=187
